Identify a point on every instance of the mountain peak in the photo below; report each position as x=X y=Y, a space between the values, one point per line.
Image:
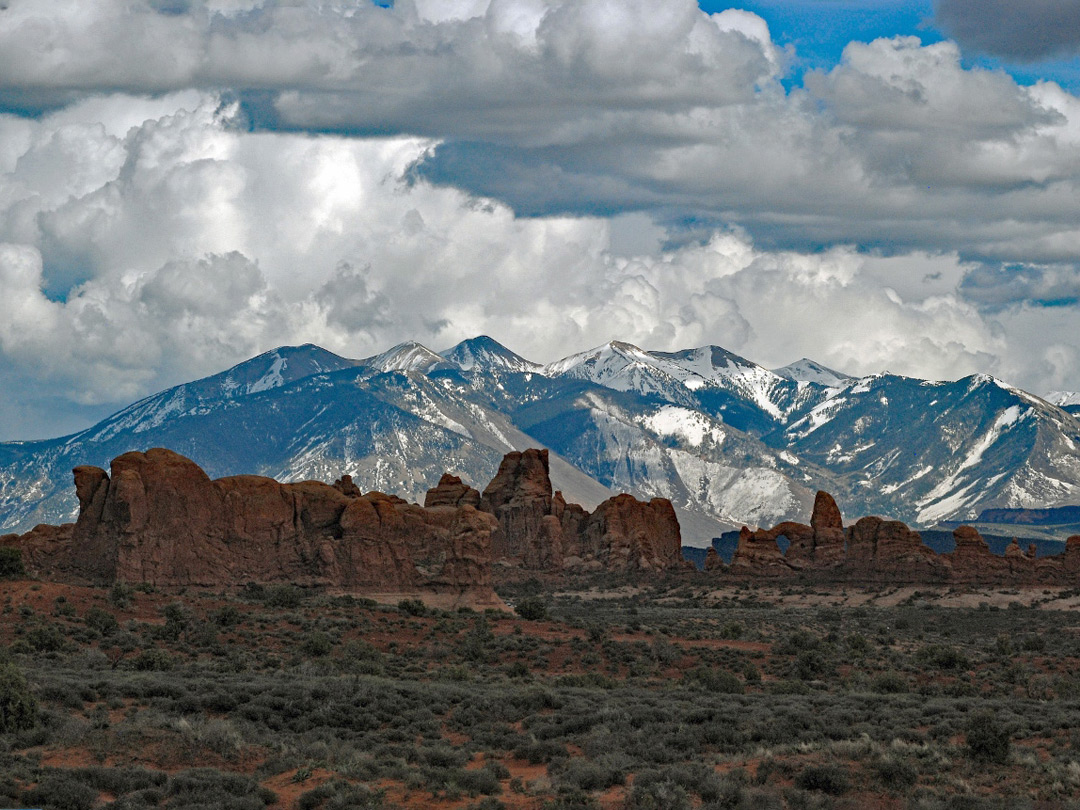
x=807 y=370
x=407 y=356
x=486 y=354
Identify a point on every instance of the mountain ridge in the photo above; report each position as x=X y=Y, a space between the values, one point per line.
x=726 y=440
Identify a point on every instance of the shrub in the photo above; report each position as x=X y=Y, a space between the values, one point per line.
x=284 y=596
x=62 y=791
x=339 y=795
x=830 y=779
x=154 y=659
x=45 y=638
x=943 y=657
x=11 y=564
x=316 y=645
x=895 y=773
x=987 y=739
x=101 y=620
x=717 y=680
x=206 y=787
x=412 y=607
x=120 y=594
x=890 y=683
x=18 y=708
x=532 y=608
x=226 y=616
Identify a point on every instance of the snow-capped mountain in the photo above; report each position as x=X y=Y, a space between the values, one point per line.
x=1066 y=400
x=728 y=441
x=484 y=354
x=807 y=370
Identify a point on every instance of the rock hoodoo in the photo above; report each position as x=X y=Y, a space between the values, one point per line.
x=539 y=531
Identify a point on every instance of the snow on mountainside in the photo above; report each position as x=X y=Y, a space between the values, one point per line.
x=1066 y=400
x=1063 y=398
x=807 y=370
x=931 y=451
x=729 y=442
x=708 y=378
x=407 y=356
x=485 y=354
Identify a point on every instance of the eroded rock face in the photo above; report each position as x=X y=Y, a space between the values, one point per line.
x=626 y=534
x=158 y=518
x=451 y=491
x=876 y=550
x=972 y=560
x=539 y=531
x=713 y=561
x=520 y=498
x=889 y=550
x=758 y=554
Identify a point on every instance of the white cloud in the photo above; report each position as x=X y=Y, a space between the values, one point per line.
x=149 y=239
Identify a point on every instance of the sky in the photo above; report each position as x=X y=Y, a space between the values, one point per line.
x=880 y=186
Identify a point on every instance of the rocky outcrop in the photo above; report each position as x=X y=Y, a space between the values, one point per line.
x=758 y=554
x=625 y=534
x=520 y=498
x=713 y=561
x=972 y=560
x=450 y=491
x=877 y=550
x=539 y=531
x=158 y=518
x=888 y=550
x=817 y=546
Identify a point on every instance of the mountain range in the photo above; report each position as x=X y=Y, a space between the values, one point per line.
x=728 y=441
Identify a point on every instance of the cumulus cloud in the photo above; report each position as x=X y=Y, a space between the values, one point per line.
x=249 y=240
x=1027 y=30
x=150 y=236
x=601 y=107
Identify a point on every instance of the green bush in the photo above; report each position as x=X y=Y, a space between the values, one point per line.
x=45 y=638
x=101 y=620
x=18 y=708
x=11 y=564
x=716 y=680
x=154 y=659
x=284 y=596
x=532 y=608
x=412 y=607
x=316 y=645
x=987 y=739
x=61 y=790
x=943 y=657
x=120 y=594
x=830 y=779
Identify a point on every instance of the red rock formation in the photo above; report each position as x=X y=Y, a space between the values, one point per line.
x=539 y=531
x=889 y=550
x=972 y=560
x=160 y=519
x=759 y=555
x=625 y=534
x=713 y=561
x=450 y=491
x=520 y=497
